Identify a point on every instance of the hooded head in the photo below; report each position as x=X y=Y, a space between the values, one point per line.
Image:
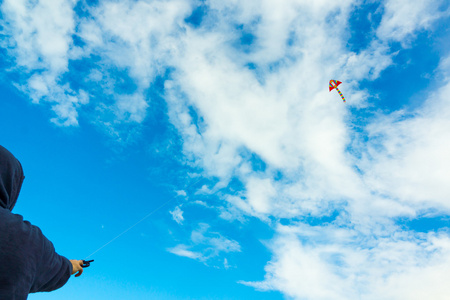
x=11 y=178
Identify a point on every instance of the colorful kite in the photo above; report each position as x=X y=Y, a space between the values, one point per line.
x=334 y=85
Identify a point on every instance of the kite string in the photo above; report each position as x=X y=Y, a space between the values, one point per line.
x=132 y=226
x=129 y=228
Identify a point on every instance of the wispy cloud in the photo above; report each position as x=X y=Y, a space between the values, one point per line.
x=406 y=156
x=181 y=250
x=206 y=245
x=403 y=19
x=42 y=48
x=177 y=215
x=336 y=263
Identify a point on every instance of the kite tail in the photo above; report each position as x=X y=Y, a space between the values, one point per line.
x=340 y=94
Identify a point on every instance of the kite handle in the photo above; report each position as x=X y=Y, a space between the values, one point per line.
x=86 y=263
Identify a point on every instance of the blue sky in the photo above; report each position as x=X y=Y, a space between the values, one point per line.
x=273 y=187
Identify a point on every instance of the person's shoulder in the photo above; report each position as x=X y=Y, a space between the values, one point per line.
x=8 y=217
x=15 y=222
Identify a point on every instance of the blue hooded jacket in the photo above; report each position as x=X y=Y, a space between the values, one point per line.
x=28 y=261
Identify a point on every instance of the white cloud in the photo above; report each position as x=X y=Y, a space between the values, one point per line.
x=209 y=245
x=214 y=240
x=407 y=157
x=138 y=35
x=41 y=46
x=403 y=18
x=369 y=63
x=259 y=194
x=181 y=250
x=40 y=42
x=181 y=193
x=177 y=215
x=131 y=107
x=335 y=263
x=135 y=36
x=407 y=166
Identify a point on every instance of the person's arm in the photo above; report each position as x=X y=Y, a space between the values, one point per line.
x=52 y=270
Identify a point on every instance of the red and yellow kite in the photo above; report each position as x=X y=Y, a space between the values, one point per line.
x=334 y=85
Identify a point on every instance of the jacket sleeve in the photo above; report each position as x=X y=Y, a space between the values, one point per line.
x=28 y=261
x=52 y=269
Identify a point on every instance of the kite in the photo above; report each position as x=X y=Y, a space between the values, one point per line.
x=334 y=85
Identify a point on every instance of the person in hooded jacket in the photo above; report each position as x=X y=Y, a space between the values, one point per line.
x=28 y=261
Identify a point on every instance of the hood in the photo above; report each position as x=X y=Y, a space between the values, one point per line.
x=11 y=178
